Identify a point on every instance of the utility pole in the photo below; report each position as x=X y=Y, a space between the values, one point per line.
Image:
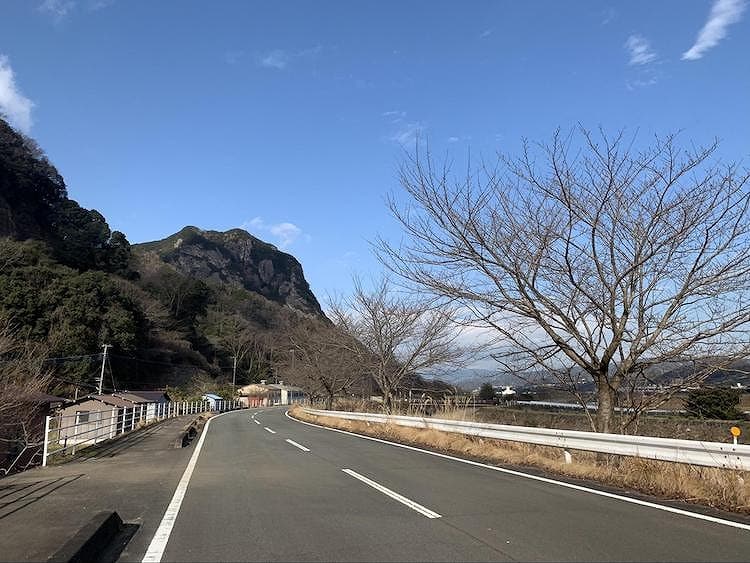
x=234 y=370
x=104 y=361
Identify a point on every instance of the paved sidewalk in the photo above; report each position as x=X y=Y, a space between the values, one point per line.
x=42 y=508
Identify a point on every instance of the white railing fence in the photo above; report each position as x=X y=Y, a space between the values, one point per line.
x=693 y=452
x=66 y=433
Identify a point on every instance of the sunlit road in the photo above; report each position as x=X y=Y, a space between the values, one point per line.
x=267 y=488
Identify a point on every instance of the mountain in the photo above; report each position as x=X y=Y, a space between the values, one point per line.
x=472 y=378
x=194 y=310
x=236 y=258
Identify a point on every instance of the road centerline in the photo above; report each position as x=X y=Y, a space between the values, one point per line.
x=393 y=494
x=296 y=445
x=256 y=421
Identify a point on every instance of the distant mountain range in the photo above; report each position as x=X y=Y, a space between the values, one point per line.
x=665 y=374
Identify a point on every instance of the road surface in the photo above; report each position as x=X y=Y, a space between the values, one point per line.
x=268 y=488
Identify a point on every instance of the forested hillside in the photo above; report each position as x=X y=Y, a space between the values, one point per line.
x=176 y=312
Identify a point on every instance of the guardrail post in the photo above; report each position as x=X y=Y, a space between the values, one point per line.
x=568 y=457
x=46 y=441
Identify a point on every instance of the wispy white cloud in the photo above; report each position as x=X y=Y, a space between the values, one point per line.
x=280 y=59
x=95 y=5
x=233 y=57
x=404 y=132
x=13 y=105
x=723 y=14
x=609 y=15
x=486 y=33
x=285 y=234
x=408 y=134
x=639 y=49
x=641 y=82
x=57 y=9
x=453 y=139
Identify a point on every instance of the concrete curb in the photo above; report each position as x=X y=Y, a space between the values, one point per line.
x=189 y=432
x=96 y=541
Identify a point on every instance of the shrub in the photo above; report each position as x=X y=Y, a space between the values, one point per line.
x=717 y=403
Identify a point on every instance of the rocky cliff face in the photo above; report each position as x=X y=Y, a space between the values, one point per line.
x=237 y=258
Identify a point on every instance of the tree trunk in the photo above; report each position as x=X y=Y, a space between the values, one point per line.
x=387 y=400
x=329 y=401
x=605 y=414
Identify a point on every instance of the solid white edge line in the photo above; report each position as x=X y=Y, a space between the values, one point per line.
x=581 y=488
x=394 y=495
x=269 y=430
x=158 y=544
x=296 y=445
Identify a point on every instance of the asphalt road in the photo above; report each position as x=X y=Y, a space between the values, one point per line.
x=254 y=496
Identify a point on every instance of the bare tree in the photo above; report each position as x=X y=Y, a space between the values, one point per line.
x=399 y=335
x=324 y=360
x=23 y=378
x=587 y=257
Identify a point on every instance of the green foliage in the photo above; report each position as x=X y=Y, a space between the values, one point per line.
x=30 y=187
x=69 y=283
x=197 y=387
x=72 y=312
x=715 y=403
x=34 y=204
x=486 y=392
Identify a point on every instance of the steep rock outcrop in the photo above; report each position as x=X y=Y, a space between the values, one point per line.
x=237 y=258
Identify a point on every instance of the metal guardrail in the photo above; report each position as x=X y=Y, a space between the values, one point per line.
x=693 y=452
x=67 y=433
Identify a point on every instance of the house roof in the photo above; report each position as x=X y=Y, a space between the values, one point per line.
x=40 y=398
x=254 y=389
x=286 y=387
x=143 y=396
x=107 y=400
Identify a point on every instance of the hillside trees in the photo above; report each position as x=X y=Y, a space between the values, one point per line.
x=587 y=256
x=68 y=312
x=30 y=187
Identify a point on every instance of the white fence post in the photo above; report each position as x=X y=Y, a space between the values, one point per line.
x=46 y=441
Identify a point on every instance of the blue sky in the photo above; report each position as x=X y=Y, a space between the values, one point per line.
x=290 y=118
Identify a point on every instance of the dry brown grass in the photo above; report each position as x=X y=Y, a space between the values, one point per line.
x=717 y=488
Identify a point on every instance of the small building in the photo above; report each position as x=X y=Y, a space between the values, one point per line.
x=94 y=418
x=213 y=400
x=288 y=394
x=267 y=395
x=257 y=395
x=151 y=399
